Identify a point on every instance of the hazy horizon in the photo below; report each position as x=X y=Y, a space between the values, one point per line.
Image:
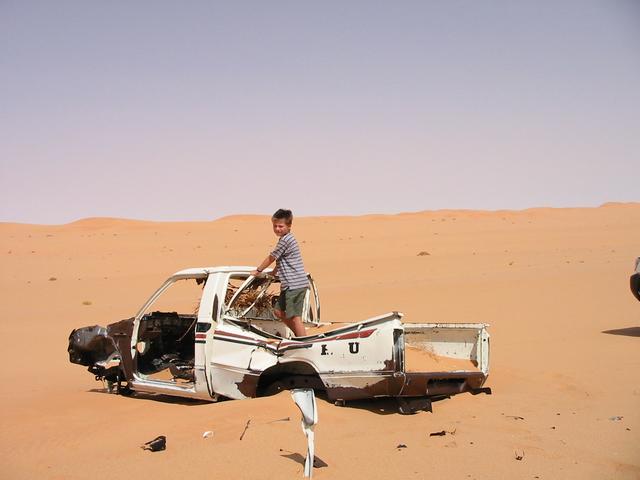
x=167 y=112
x=267 y=215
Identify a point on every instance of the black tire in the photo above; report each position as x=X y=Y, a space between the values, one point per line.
x=634 y=282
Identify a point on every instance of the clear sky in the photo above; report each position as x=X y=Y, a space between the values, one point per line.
x=167 y=110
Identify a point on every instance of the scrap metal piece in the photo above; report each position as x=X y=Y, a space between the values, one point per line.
x=245 y=429
x=476 y=391
x=285 y=419
x=305 y=399
x=442 y=433
x=157 y=444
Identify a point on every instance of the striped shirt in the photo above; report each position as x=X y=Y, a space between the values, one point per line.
x=289 y=263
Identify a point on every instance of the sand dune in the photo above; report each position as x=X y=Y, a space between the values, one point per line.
x=549 y=281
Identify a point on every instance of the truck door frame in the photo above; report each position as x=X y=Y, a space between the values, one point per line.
x=199 y=387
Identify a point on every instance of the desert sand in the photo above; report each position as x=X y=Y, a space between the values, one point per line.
x=553 y=284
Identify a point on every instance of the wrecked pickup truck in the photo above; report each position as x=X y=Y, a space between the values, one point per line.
x=208 y=333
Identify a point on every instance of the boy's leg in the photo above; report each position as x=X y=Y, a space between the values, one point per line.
x=289 y=308
x=281 y=306
x=296 y=326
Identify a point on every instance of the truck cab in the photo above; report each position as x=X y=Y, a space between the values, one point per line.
x=173 y=332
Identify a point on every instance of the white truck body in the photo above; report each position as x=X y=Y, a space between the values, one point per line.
x=239 y=352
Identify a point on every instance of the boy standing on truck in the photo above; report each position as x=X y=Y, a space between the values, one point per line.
x=289 y=267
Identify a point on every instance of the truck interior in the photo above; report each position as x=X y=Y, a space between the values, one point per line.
x=166 y=336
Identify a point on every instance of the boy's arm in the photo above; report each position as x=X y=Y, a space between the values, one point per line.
x=265 y=263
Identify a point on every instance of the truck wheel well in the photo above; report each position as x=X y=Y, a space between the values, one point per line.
x=287 y=376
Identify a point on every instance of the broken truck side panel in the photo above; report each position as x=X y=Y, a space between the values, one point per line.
x=356 y=357
x=230 y=365
x=367 y=359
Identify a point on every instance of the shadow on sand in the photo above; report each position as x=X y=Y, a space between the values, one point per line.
x=627 y=332
x=296 y=457
x=379 y=406
x=156 y=397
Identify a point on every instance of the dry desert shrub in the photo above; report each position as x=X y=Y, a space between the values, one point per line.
x=249 y=296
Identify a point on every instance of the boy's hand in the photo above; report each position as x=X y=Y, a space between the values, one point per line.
x=256 y=273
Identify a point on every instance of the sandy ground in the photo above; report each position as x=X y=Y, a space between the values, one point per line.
x=551 y=282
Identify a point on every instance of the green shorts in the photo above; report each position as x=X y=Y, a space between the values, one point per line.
x=291 y=301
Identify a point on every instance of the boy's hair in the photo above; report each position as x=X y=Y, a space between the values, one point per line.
x=282 y=214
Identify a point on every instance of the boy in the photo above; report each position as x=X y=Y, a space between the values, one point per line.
x=289 y=267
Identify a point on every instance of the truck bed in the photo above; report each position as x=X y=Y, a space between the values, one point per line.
x=418 y=360
x=435 y=347
x=446 y=347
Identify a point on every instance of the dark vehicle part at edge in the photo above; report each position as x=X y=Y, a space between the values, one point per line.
x=634 y=281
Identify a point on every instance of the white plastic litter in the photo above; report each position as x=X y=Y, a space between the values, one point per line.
x=306 y=402
x=207 y=434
